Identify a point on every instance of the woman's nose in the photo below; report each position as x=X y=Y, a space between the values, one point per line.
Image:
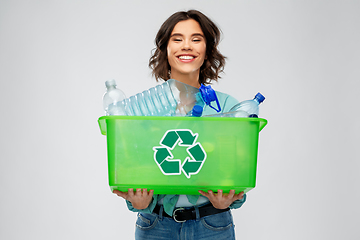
x=186 y=45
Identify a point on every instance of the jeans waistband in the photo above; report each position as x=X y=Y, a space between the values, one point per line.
x=184 y=214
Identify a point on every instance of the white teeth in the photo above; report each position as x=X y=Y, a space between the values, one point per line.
x=186 y=57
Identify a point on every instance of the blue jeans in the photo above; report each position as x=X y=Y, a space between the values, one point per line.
x=214 y=227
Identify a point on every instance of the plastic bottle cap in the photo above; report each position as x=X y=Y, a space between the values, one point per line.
x=208 y=94
x=197 y=111
x=109 y=83
x=259 y=97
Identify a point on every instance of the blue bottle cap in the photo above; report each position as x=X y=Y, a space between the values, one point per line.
x=197 y=111
x=259 y=97
x=208 y=94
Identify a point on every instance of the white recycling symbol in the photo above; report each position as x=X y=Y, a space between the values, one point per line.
x=191 y=165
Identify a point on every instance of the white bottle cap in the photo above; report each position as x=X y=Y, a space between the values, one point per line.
x=109 y=83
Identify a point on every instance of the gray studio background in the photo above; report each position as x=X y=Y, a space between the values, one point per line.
x=55 y=56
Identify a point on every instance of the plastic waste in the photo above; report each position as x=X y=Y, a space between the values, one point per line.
x=172 y=98
x=247 y=108
x=111 y=98
x=196 y=111
x=251 y=107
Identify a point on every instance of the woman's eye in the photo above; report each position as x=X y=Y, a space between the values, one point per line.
x=177 y=40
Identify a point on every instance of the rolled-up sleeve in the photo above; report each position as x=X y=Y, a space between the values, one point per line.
x=149 y=209
x=238 y=203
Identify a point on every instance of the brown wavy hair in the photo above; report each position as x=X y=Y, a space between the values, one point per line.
x=213 y=64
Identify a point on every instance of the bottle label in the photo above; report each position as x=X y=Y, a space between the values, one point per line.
x=179 y=152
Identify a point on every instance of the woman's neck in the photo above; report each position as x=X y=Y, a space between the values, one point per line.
x=190 y=79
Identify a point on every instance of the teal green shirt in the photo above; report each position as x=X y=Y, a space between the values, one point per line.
x=169 y=201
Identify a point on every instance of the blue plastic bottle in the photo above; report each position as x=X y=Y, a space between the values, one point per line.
x=172 y=98
x=196 y=111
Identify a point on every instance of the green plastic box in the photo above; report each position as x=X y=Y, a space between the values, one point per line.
x=181 y=155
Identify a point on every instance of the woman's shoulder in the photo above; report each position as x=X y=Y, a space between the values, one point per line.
x=226 y=101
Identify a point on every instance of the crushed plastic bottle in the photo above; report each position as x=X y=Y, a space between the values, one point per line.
x=172 y=98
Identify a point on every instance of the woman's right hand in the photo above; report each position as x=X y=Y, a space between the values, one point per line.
x=139 y=199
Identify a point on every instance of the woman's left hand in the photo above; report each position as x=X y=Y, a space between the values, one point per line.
x=222 y=200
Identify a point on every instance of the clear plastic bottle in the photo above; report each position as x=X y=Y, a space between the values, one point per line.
x=172 y=98
x=251 y=107
x=247 y=108
x=112 y=99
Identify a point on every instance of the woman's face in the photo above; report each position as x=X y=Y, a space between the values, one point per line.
x=186 y=52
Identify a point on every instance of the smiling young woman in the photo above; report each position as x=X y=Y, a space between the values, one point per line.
x=186 y=50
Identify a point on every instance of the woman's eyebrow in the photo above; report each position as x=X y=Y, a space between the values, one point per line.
x=197 y=35
x=181 y=35
x=176 y=35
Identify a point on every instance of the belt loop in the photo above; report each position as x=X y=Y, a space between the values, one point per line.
x=197 y=213
x=161 y=212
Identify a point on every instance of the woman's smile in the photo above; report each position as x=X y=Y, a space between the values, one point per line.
x=186 y=58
